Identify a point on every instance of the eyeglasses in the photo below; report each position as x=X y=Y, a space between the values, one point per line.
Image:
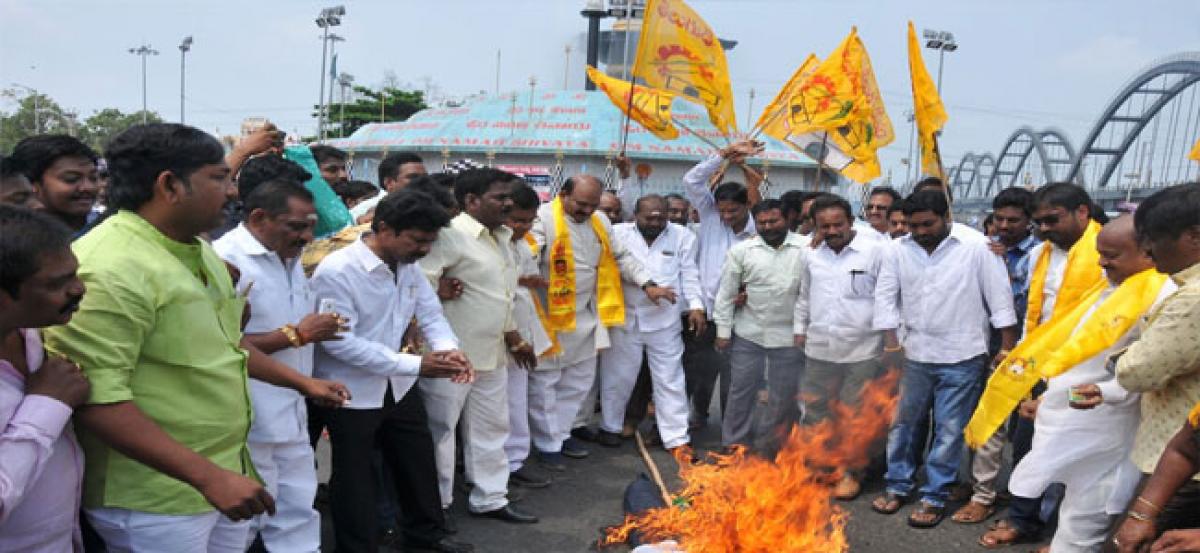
x=1049 y=220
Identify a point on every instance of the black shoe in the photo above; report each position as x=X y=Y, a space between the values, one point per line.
x=389 y=537
x=608 y=439
x=584 y=433
x=552 y=461
x=526 y=477
x=575 y=450
x=448 y=523
x=445 y=545
x=508 y=514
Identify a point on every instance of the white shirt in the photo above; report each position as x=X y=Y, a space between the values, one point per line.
x=944 y=299
x=280 y=295
x=483 y=263
x=771 y=278
x=714 y=238
x=671 y=261
x=524 y=312
x=868 y=232
x=589 y=335
x=379 y=304
x=836 y=303
x=1054 y=276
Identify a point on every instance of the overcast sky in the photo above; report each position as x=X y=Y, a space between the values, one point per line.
x=1038 y=62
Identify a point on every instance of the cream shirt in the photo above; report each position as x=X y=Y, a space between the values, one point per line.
x=484 y=263
x=771 y=277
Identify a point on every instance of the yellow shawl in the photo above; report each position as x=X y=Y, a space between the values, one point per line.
x=1059 y=345
x=555 y=347
x=1081 y=275
x=610 y=303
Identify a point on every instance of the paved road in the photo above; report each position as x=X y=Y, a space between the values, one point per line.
x=587 y=497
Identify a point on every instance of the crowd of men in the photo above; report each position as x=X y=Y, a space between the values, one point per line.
x=176 y=341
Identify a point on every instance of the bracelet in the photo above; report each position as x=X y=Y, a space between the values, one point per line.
x=1156 y=508
x=893 y=350
x=1139 y=516
x=293 y=336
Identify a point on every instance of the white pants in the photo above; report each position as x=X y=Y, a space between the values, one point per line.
x=619 y=367
x=587 y=407
x=482 y=409
x=126 y=531
x=516 y=448
x=1083 y=518
x=554 y=399
x=290 y=474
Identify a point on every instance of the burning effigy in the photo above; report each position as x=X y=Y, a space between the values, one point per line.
x=746 y=503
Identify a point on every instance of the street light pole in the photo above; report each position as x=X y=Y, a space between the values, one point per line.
x=942 y=41
x=333 y=40
x=183 y=50
x=144 y=51
x=329 y=17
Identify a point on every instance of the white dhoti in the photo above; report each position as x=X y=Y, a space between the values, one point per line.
x=619 y=368
x=516 y=448
x=554 y=399
x=289 y=472
x=126 y=531
x=482 y=410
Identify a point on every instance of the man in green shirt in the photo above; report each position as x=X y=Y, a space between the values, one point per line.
x=164 y=430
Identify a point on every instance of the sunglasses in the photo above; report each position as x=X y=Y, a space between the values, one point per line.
x=1049 y=220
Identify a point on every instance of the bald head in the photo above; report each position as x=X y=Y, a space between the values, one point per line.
x=1120 y=255
x=581 y=196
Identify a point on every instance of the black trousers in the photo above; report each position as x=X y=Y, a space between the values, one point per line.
x=401 y=431
x=702 y=364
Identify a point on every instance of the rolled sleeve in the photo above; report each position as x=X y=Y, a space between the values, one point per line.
x=695 y=183
x=1112 y=392
x=105 y=336
x=26 y=444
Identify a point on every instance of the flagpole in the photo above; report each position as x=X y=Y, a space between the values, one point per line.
x=627 y=75
x=711 y=144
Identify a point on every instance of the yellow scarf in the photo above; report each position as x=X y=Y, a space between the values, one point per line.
x=555 y=347
x=1081 y=275
x=610 y=303
x=1059 y=345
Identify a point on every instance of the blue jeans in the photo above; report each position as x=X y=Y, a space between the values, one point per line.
x=953 y=390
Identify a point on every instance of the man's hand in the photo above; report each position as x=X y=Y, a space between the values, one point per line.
x=740 y=299
x=737 y=152
x=326 y=393
x=533 y=282
x=656 y=293
x=997 y=247
x=1135 y=535
x=235 y=496
x=319 y=327
x=59 y=379
x=449 y=288
x=800 y=340
x=261 y=141
x=1090 y=393
x=721 y=344
x=892 y=360
x=624 y=166
x=1177 y=541
x=521 y=351
x=450 y=364
x=696 y=322
x=1028 y=408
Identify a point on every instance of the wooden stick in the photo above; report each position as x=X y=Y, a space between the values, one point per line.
x=710 y=143
x=654 y=474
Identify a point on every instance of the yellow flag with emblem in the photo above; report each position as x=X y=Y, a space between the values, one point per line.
x=679 y=52
x=928 y=110
x=648 y=106
x=773 y=121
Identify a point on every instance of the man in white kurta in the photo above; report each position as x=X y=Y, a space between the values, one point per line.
x=266 y=250
x=667 y=251
x=474 y=250
x=1085 y=444
x=556 y=392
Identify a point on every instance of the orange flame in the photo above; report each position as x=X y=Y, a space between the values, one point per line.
x=744 y=503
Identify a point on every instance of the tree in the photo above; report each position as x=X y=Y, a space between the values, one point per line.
x=35 y=114
x=388 y=104
x=103 y=125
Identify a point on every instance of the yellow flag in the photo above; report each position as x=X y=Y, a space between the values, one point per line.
x=867 y=132
x=650 y=107
x=927 y=108
x=833 y=94
x=680 y=53
x=773 y=120
x=1195 y=154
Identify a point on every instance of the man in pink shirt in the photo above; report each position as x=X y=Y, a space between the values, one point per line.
x=41 y=465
